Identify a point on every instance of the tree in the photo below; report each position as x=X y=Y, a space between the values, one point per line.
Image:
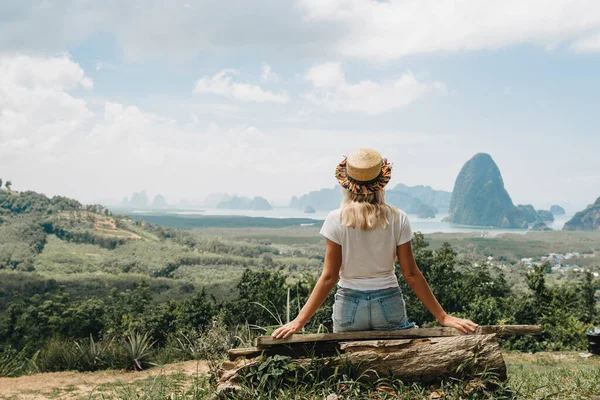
x=8 y=184
x=0 y=183
x=587 y=289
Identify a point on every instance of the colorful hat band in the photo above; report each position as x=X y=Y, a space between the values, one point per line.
x=362 y=187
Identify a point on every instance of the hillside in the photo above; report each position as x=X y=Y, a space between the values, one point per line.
x=80 y=286
x=585 y=220
x=48 y=242
x=479 y=197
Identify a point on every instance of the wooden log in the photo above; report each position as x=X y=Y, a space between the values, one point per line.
x=424 y=360
x=428 y=359
x=500 y=330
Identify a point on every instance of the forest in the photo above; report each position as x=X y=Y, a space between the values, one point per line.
x=84 y=289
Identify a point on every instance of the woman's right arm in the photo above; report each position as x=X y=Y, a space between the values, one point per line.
x=418 y=284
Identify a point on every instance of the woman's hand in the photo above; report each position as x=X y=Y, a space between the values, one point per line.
x=287 y=330
x=464 y=325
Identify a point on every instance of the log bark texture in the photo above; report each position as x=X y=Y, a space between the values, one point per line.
x=428 y=359
x=424 y=360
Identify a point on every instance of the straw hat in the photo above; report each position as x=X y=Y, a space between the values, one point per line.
x=363 y=171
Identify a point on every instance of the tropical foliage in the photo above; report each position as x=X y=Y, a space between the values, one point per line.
x=84 y=289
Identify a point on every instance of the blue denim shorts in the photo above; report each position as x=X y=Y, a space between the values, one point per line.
x=357 y=310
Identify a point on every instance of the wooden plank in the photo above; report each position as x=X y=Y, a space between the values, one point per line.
x=248 y=352
x=500 y=330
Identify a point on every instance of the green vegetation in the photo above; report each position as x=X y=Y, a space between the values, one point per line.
x=479 y=197
x=83 y=289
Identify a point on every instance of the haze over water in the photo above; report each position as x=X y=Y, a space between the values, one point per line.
x=418 y=224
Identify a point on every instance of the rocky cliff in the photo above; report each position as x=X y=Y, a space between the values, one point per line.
x=479 y=197
x=586 y=220
x=557 y=210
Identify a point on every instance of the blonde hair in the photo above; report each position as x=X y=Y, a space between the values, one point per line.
x=365 y=211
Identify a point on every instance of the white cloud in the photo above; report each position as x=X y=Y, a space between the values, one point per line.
x=268 y=75
x=385 y=30
x=588 y=44
x=330 y=89
x=366 y=29
x=221 y=84
x=52 y=142
x=36 y=110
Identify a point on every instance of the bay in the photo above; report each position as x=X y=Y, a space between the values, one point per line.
x=418 y=224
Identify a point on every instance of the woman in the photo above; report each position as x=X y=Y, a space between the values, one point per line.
x=364 y=237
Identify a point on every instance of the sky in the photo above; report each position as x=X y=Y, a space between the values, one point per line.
x=186 y=98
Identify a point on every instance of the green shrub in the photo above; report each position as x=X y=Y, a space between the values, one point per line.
x=208 y=344
x=58 y=355
x=15 y=363
x=139 y=348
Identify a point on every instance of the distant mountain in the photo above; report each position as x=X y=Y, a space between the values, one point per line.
x=425 y=211
x=215 y=198
x=557 y=210
x=585 y=220
x=138 y=200
x=545 y=216
x=159 y=202
x=479 y=197
x=244 y=203
x=320 y=200
x=403 y=201
x=440 y=199
x=407 y=198
x=260 y=203
x=528 y=212
x=235 y=203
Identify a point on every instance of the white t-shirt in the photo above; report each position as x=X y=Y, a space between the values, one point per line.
x=368 y=256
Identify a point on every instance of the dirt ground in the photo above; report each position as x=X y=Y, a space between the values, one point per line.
x=72 y=385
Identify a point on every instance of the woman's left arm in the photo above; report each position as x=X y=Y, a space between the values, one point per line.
x=328 y=278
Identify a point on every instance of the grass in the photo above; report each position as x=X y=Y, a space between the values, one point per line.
x=61 y=257
x=531 y=376
x=554 y=375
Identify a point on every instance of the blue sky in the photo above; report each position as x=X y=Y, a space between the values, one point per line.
x=185 y=98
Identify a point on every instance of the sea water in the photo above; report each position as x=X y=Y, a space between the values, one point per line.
x=418 y=224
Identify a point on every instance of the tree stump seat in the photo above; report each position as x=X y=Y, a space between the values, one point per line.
x=424 y=355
